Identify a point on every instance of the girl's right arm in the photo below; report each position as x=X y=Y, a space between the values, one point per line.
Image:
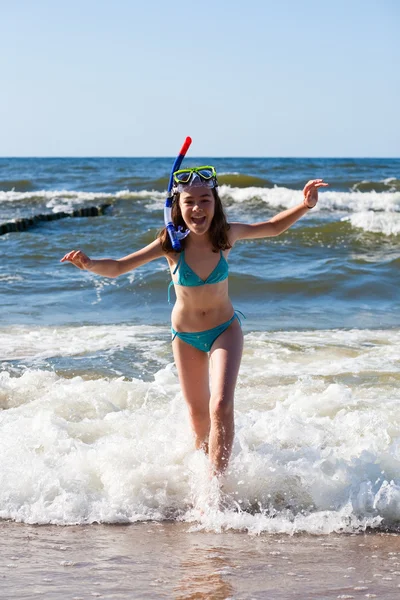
x=112 y=268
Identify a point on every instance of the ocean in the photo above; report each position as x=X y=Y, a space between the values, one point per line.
x=93 y=426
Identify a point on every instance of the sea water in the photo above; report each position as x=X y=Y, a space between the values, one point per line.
x=93 y=424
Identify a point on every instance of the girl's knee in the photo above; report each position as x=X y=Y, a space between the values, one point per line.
x=197 y=414
x=221 y=407
x=198 y=410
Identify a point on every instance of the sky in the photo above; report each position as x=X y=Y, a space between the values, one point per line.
x=241 y=77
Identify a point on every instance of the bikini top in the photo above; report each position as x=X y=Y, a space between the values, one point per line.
x=188 y=278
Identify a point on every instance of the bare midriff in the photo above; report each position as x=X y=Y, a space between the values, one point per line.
x=202 y=307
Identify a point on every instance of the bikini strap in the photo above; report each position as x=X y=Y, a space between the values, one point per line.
x=237 y=316
x=178 y=264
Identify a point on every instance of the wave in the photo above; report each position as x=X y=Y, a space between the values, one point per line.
x=391 y=184
x=59 y=200
x=276 y=196
x=19 y=185
x=131 y=183
x=371 y=211
x=328 y=201
x=316 y=448
x=41 y=343
x=287 y=175
x=241 y=180
x=387 y=223
x=13 y=196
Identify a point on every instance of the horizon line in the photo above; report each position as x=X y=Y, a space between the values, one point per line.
x=203 y=156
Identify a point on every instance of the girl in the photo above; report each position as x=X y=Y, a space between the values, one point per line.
x=207 y=338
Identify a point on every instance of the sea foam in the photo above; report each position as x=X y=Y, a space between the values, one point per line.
x=371 y=211
x=387 y=222
x=317 y=444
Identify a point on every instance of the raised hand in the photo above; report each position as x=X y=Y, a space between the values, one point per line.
x=310 y=192
x=77 y=258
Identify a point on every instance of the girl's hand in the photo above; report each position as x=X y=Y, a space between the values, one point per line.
x=77 y=258
x=310 y=192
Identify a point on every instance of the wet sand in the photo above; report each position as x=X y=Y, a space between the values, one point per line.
x=168 y=560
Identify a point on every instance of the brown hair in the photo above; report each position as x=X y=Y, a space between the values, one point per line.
x=218 y=231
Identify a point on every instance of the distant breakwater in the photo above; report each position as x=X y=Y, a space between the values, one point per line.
x=28 y=222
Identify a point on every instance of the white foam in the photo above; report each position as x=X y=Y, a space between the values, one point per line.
x=35 y=343
x=328 y=201
x=387 y=222
x=324 y=353
x=10 y=278
x=276 y=197
x=279 y=198
x=59 y=200
x=13 y=196
x=317 y=444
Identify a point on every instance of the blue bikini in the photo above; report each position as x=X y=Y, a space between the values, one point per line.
x=188 y=278
x=202 y=340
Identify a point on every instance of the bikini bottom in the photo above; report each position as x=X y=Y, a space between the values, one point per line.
x=203 y=340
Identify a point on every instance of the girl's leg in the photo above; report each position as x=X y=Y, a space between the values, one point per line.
x=225 y=357
x=192 y=365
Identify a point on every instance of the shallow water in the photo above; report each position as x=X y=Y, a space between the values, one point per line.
x=168 y=560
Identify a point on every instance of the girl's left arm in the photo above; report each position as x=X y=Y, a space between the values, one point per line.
x=283 y=220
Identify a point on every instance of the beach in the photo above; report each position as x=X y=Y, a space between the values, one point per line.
x=102 y=493
x=170 y=560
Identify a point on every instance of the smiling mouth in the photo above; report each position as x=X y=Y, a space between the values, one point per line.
x=199 y=220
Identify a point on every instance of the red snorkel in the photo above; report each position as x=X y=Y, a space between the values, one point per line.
x=175 y=235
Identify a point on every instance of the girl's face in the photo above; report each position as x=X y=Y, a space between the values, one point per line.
x=197 y=206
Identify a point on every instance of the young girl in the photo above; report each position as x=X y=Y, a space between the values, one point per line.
x=207 y=339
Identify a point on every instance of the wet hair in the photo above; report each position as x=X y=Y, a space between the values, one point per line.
x=218 y=230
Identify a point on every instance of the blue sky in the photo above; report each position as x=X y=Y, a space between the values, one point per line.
x=243 y=78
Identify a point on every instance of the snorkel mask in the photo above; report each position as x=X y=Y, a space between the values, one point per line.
x=180 y=180
x=196 y=177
